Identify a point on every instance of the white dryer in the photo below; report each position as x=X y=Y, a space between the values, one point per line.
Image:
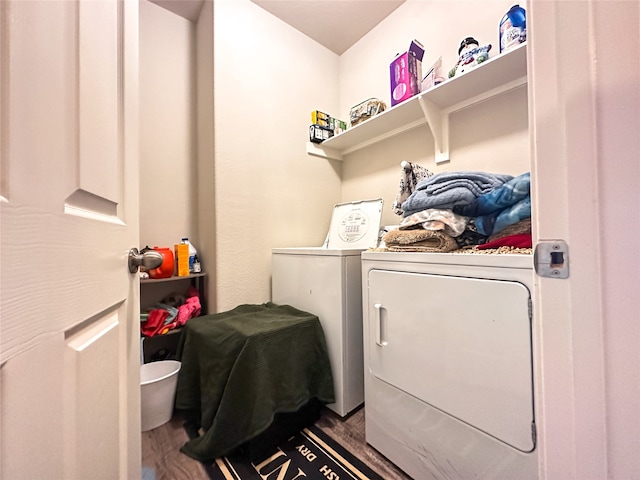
x=449 y=389
x=326 y=281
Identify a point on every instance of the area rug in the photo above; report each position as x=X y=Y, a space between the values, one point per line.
x=310 y=455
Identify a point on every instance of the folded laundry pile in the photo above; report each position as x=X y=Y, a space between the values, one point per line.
x=471 y=208
x=455 y=191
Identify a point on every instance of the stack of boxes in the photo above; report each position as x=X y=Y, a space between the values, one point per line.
x=324 y=126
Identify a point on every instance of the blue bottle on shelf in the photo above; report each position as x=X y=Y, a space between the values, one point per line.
x=513 y=28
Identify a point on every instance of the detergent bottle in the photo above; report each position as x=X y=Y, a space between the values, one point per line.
x=513 y=28
x=192 y=253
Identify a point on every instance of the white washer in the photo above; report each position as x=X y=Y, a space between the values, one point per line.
x=326 y=281
x=448 y=352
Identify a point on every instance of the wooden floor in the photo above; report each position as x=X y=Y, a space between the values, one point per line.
x=161 y=448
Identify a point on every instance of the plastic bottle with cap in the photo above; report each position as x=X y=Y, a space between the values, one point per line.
x=513 y=28
x=192 y=253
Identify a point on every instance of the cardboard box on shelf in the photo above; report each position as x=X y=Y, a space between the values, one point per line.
x=327 y=121
x=338 y=126
x=182 y=259
x=320 y=118
x=406 y=73
x=433 y=77
x=318 y=133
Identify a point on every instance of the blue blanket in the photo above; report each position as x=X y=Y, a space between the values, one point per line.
x=505 y=196
x=457 y=191
x=497 y=221
x=503 y=206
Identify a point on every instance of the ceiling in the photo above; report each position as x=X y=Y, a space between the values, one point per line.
x=189 y=9
x=336 y=24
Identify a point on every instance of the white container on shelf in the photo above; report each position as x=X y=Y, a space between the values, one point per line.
x=192 y=253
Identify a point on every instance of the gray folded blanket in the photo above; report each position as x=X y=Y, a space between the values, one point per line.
x=452 y=190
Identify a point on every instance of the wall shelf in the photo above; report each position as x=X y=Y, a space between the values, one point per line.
x=432 y=107
x=173 y=278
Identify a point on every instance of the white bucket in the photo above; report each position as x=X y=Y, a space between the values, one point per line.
x=158 y=381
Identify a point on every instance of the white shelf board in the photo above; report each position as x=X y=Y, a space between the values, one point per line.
x=496 y=72
x=432 y=107
x=395 y=120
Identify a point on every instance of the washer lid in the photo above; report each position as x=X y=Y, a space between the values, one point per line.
x=355 y=225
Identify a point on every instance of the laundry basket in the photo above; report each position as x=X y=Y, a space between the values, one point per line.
x=158 y=381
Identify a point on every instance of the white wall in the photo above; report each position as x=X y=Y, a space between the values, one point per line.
x=167 y=128
x=439 y=25
x=256 y=187
x=491 y=136
x=205 y=161
x=268 y=77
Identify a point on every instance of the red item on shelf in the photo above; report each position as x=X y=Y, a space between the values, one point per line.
x=155 y=322
x=521 y=240
x=165 y=270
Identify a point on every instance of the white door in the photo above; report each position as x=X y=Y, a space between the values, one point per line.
x=69 y=331
x=584 y=59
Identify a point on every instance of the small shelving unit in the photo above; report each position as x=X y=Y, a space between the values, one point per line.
x=432 y=107
x=196 y=279
x=164 y=347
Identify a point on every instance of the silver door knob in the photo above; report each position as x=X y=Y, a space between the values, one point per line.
x=148 y=259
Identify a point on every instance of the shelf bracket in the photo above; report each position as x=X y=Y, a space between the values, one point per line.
x=438 y=122
x=438 y=119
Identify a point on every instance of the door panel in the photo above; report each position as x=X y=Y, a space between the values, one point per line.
x=31 y=407
x=69 y=324
x=462 y=345
x=99 y=70
x=93 y=344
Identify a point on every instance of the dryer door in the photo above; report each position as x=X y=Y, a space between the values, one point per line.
x=462 y=345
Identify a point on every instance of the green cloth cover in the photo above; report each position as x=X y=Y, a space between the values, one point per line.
x=241 y=367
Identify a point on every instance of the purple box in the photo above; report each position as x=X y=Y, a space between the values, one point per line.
x=406 y=73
